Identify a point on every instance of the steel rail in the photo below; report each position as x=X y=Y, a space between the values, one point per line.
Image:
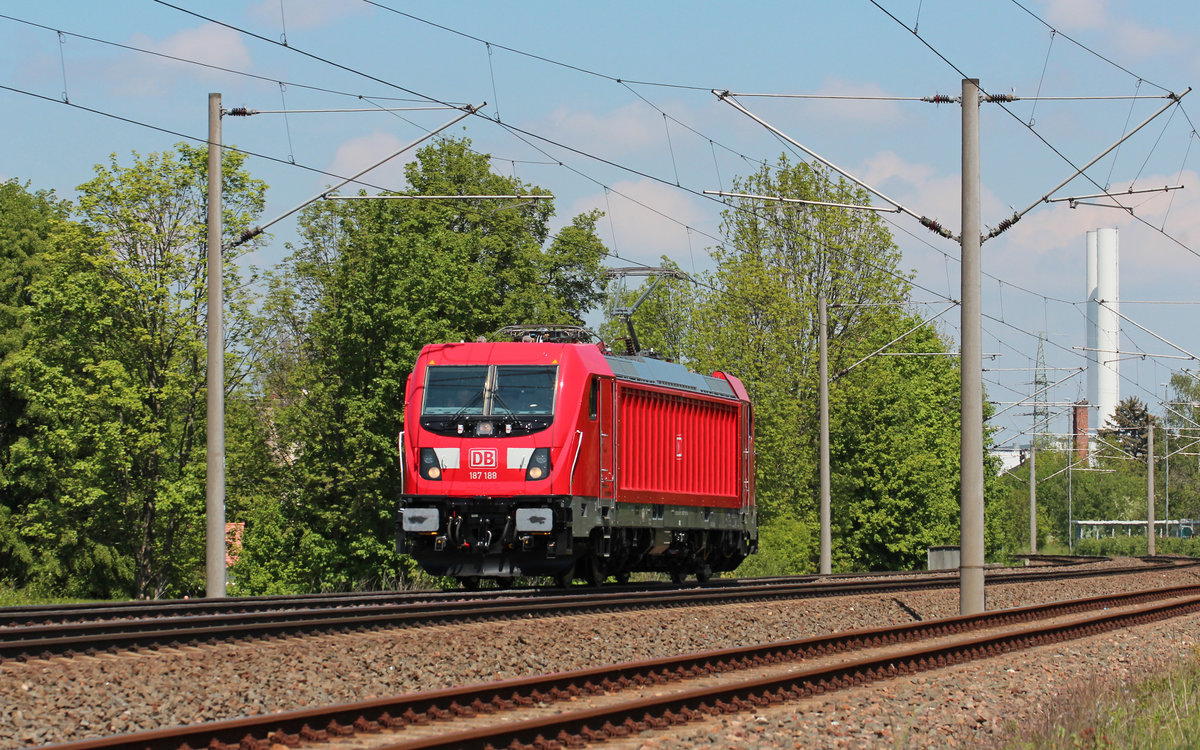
x=316 y=724
x=600 y=724
x=79 y=612
x=42 y=641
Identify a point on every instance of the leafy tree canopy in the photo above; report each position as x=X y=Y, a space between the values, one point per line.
x=369 y=285
x=1127 y=427
x=112 y=371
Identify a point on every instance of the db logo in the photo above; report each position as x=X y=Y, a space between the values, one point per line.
x=482 y=458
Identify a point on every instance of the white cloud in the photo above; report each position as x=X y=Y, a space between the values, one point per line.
x=359 y=153
x=632 y=127
x=856 y=110
x=636 y=213
x=1077 y=14
x=1124 y=34
x=1147 y=253
x=1141 y=42
x=304 y=14
x=209 y=44
x=921 y=188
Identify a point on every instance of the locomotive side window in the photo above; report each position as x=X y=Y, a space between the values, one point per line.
x=455 y=389
x=594 y=399
x=523 y=390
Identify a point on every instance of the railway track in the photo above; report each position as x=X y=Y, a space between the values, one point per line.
x=50 y=614
x=179 y=627
x=614 y=701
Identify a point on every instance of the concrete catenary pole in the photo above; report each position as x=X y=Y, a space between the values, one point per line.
x=823 y=375
x=1033 y=498
x=971 y=594
x=1150 y=489
x=215 y=481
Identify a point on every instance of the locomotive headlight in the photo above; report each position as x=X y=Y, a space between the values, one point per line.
x=430 y=467
x=539 y=464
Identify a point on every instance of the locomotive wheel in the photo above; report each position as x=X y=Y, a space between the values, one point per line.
x=704 y=573
x=595 y=572
x=565 y=578
x=504 y=582
x=622 y=577
x=470 y=583
x=678 y=576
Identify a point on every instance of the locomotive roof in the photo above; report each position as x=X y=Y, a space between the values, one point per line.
x=671 y=374
x=637 y=369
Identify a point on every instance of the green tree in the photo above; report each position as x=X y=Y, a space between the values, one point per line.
x=894 y=452
x=370 y=283
x=1126 y=429
x=756 y=315
x=114 y=377
x=1070 y=488
x=31 y=223
x=1182 y=421
x=895 y=420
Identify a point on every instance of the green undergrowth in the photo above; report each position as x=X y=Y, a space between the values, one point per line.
x=11 y=597
x=1130 y=546
x=1160 y=712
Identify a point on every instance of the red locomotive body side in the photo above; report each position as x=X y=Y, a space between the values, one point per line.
x=678 y=449
x=560 y=459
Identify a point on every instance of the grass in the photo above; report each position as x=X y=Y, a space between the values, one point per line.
x=1160 y=712
x=10 y=597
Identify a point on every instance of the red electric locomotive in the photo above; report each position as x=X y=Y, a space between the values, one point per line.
x=549 y=456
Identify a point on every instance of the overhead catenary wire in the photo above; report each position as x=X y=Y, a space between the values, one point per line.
x=199 y=63
x=247 y=112
x=907 y=333
x=260 y=228
x=422 y=197
x=291 y=161
x=801 y=201
x=942 y=98
x=623 y=83
x=1028 y=126
x=179 y=134
x=931 y=224
x=1004 y=225
x=689 y=228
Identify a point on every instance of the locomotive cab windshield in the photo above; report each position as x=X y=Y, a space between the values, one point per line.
x=488 y=400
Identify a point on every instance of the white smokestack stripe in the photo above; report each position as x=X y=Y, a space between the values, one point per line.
x=1104 y=323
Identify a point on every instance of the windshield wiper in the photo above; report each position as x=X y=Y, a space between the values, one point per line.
x=458 y=414
x=498 y=399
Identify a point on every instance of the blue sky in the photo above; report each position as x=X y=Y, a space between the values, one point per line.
x=609 y=106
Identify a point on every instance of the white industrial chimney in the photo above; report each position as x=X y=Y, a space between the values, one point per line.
x=1103 y=324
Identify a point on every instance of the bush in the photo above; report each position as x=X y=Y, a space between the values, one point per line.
x=786 y=547
x=1135 y=546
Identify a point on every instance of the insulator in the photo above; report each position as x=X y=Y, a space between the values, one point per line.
x=935 y=226
x=1001 y=98
x=939 y=99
